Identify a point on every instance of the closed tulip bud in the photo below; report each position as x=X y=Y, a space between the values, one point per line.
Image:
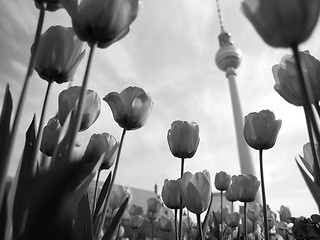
x=59 y=54
x=218 y=214
x=248 y=187
x=307 y=158
x=154 y=205
x=261 y=129
x=165 y=223
x=282 y=23
x=68 y=100
x=183 y=139
x=101 y=22
x=287 y=82
x=195 y=190
x=170 y=194
x=135 y=221
x=99 y=144
x=118 y=195
x=254 y=211
x=232 y=193
x=136 y=210
x=131 y=108
x=50 y=136
x=285 y=214
x=51 y=5
x=222 y=181
x=233 y=219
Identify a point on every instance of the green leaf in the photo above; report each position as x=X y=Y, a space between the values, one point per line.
x=102 y=196
x=25 y=175
x=82 y=224
x=113 y=227
x=314 y=189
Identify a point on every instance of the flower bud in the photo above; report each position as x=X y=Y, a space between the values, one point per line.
x=50 y=136
x=183 y=139
x=154 y=205
x=222 y=181
x=118 y=196
x=285 y=214
x=170 y=194
x=136 y=210
x=233 y=219
x=135 y=221
x=247 y=187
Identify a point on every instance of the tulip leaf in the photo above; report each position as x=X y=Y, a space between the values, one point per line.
x=307 y=165
x=83 y=226
x=25 y=175
x=5 y=119
x=314 y=189
x=113 y=227
x=102 y=196
x=4 y=211
x=206 y=219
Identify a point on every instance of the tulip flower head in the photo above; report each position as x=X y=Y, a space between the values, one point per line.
x=285 y=214
x=307 y=158
x=248 y=187
x=195 y=190
x=154 y=205
x=59 y=54
x=136 y=210
x=287 y=82
x=165 y=223
x=170 y=194
x=101 y=22
x=135 y=221
x=232 y=193
x=183 y=139
x=118 y=196
x=99 y=144
x=50 y=136
x=131 y=108
x=282 y=23
x=51 y=5
x=254 y=211
x=222 y=181
x=233 y=219
x=261 y=129
x=68 y=100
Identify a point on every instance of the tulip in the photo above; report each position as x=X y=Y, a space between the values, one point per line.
x=261 y=129
x=68 y=99
x=232 y=193
x=165 y=224
x=136 y=210
x=285 y=214
x=308 y=158
x=101 y=22
x=287 y=82
x=183 y=139
x=232 y=219
x=222 y=181
x=254 y=211
x=170 y=194
x=50 y=136
x=154 y=205
x=99 y=144
x=131 y=108
x=135 y=221
x=220 y=217
x=51 y=5
x=59 y=54
x=195 y=190
x=282 y=23
x=118 y=196
x=248 y=186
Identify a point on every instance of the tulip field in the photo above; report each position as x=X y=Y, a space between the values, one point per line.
x=56 y=193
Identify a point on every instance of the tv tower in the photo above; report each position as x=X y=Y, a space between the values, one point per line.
x=228 y=58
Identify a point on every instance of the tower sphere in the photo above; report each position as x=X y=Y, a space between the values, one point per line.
x=228 y=55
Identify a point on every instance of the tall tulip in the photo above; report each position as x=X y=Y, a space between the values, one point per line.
x=260 y=132
x=59 y=54
x=196 y=190
x=282 y=23
x=68 y=100
x=131 y=108
x=170 y=194
x=101 y=22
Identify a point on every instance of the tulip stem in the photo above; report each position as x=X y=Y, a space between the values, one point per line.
x=17 y=119
x=181 y=207
x=265 y=219
x=152 y=226
x=199 y=226
x=176 y=223
x=95 y=192
x=221 y=207
x=81 y=103
x=245 y=219
x=104 y=212
x=40 y=129
x=306 y=94
x=312 y=143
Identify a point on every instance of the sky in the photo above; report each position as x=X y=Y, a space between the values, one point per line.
x=170 y=53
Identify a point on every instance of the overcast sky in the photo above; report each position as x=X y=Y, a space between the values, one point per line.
x=170 y=53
